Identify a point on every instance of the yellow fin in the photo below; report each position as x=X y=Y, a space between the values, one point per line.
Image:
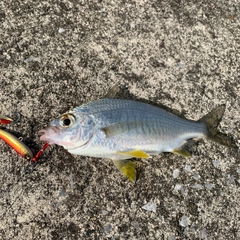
x=135 y=153
x=127 y=168
x=183 y=152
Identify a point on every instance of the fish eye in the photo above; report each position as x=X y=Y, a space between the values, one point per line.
x=67 y=120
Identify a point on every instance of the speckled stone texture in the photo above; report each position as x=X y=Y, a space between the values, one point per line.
x=55 y=55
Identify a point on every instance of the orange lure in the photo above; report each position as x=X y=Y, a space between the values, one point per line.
x=16 y=144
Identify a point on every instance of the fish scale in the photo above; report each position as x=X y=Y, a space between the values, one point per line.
x=106 y=106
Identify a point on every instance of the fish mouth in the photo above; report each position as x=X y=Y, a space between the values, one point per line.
x=47 y=134
x=41 y=132
x=43 y=135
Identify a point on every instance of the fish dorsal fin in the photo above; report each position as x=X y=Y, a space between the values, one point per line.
x=127 y=168
x=134 y=153
x=112 y=92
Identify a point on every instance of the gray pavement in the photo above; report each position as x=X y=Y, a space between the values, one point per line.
x=55 y=55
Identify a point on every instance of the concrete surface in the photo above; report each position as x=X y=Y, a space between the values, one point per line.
x=55 y=55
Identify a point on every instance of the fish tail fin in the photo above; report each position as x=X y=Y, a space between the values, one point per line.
x=212 y=120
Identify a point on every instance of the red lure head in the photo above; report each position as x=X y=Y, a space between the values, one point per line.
x=5 y=120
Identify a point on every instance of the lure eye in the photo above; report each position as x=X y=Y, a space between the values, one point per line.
x=67 y=120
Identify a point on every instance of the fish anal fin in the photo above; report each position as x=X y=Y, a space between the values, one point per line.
x=127 y=168
x=134 y=153
x=182 y=151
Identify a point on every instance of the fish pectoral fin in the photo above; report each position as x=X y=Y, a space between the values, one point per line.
x=116 y=129
x=135 y=153
x=122 y=127
x=111 y=130
x=127 y=168
x=182 y=151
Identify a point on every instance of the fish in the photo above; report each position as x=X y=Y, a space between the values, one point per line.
x=121 y=129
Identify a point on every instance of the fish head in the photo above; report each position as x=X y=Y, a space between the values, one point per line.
x=71 y=130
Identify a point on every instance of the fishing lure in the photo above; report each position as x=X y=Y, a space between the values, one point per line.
x=8 y=120
x=5 y=120
x=16 y=144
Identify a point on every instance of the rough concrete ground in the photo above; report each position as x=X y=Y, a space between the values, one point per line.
x=55 y=55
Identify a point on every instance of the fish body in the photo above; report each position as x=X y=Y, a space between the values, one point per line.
x=121 y=129
x=110 y=125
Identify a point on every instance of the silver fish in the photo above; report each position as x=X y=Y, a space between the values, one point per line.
x=121 y=129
